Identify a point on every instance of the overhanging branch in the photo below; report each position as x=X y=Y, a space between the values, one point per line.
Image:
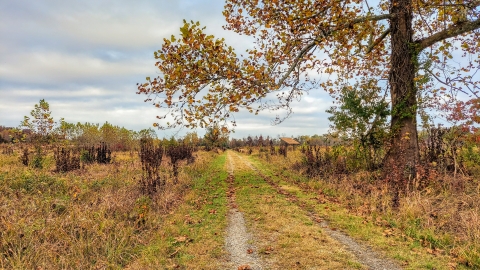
x=452 y=31
x=296 y=61
x=327 y=33
x=371 y=18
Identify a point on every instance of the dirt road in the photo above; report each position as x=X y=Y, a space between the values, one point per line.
x=270 y=228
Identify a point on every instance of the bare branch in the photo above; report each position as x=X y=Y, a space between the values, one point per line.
x=471 y=5
x=296 y=61
x=312 y=44
x=371 y=18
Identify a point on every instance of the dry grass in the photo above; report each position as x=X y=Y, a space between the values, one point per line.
x=98 y=218
x=82 y=219
x=91 y=218
x=285 y=236
x=192 y=236
x=439 y=220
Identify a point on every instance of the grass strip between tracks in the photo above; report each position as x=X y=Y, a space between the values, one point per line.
x=285 y=235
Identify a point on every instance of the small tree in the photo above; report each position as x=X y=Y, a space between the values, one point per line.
x=41 y=122
x=67 y=131
x=191 y=138
x=362 y=117
x=215 y=137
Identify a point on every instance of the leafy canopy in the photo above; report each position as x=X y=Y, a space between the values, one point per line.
x=304 y=45
x=361 y=114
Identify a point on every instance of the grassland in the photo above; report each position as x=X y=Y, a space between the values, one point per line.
x=98 y=218
x=434 y=228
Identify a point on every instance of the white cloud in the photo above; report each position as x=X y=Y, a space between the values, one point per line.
x=55 y=67
x=85 y=58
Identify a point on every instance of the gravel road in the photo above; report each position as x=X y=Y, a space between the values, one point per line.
x=365 y=255
x=238 y=242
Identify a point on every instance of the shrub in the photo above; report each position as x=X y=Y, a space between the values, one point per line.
x=87 y=155
x=102 y=154
x=177 y=153
x=324 y=161
x=25 y=158
x=151 y=159
x=66 y=159
x=38 y=158
x=282 y=150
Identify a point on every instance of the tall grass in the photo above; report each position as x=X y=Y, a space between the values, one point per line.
x=440 y=211
x=95 y=217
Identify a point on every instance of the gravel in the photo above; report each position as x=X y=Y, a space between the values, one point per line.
x=238 y=242
x=364 y=254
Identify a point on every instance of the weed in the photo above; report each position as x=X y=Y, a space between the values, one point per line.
x=179 y=152
x=151 y=159
x=25 y=158
x=66 y=160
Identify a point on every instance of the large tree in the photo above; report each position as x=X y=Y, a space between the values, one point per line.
x=423 y=52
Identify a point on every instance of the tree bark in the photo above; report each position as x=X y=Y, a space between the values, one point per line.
x=404 y=154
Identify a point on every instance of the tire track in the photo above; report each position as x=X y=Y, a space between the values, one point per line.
x=242 y=255
x=364 y=254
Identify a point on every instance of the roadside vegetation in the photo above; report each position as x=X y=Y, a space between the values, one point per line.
x=98 y=216
x=91 y=201
x=434 y=225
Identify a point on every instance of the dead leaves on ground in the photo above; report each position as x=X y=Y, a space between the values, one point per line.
x=183 y=239
x=268 y=250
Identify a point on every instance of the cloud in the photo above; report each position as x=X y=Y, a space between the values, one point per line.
x=90 y=24
x=59 y=68
x=85 y=58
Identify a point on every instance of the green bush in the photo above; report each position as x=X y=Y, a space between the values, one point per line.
x=38 y=158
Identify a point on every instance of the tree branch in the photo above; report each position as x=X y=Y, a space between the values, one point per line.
x=295 y=62
x=377 y=41
x=471 y=5
x=452 y=31
x=371 y=18
x=312 y=44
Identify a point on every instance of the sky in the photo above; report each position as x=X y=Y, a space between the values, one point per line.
x=86 y=57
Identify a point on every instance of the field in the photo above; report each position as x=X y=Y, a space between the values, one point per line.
x=98 y=216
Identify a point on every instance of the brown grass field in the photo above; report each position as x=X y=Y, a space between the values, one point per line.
x=97 y=217
x=441 y=218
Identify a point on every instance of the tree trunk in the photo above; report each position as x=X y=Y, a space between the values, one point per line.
x=404 y=153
